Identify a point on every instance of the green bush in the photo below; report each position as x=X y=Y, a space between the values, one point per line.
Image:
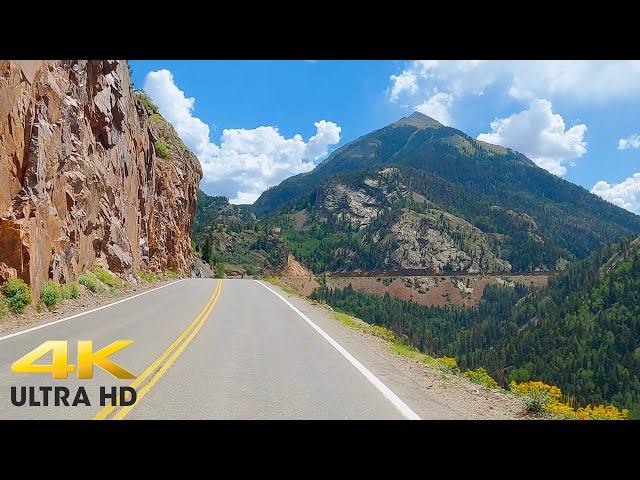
x=51 y=294
x=107 y=278
x=147 y=102
x=219 y=270
x=17 y=294
x=70 y=290
x=162 y=149
x=90 y=281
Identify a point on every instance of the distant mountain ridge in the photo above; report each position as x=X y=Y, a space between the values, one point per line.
x=451 y=202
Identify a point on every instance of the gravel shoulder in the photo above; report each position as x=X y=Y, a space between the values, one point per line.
x=431 y=393
x=87 y=300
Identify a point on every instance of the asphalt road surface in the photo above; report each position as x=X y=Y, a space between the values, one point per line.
x=206 y=349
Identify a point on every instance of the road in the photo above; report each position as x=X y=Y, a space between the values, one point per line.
x=207 y=349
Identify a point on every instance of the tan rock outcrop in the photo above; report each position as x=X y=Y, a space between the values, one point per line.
x=80 y=182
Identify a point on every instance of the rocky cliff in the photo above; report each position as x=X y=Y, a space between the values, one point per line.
x=81 y=182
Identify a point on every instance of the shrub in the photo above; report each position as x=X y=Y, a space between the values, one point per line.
x=90 y=281
x=51 y=294
x=601 y=412
x=532 y=388
x=219 y=270
x=449 y=363
x=162 y=149
x=559 y=410
x=482 y=377
x=17 y=294
x=70 y=290
x=107 y=278
x=537 y=396
x=537 y=400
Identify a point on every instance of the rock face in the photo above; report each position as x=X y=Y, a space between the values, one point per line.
x=404 y=238
x=81 y=182
x=437 y=240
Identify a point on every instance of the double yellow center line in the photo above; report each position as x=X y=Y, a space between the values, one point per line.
x=160 y=365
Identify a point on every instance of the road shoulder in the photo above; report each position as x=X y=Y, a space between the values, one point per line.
x=86 y=302
x=431 y=393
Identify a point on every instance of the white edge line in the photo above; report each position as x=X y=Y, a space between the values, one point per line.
x=375 y=381
x=22 y=332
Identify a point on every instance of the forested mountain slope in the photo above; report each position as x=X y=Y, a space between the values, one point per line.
x=443 y=200
x=581 y=333
x=229 y=237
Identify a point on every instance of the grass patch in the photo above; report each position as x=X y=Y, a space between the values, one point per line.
x=162 y=149
x=51 y=294
x=171 y=273
x=109 y=279
x=375 y=330
x=70 y=290
x=445 y=365
x=17 y=294
x=409 y=352
x=91 y=282
x=290 y=291
x=347 y=320
x=4 y=307
x=147 y=277
x=271 y=279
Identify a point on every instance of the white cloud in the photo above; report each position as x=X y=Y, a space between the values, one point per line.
x=541 y=135
x=244 y=198
x=438 y=107
x=246 y=162
x=583 y=80
x=403 y=83
x=632 y=141
x=625 y=194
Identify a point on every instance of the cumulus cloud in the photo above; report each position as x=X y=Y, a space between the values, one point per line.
x=584 y=81
x=247 y=161
x=632 y=141
x=403 y=83
x=625 y=194
x=438 y=107
x=541 y=135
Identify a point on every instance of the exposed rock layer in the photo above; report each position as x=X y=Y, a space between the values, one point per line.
x=430 y=239
x=81 y=182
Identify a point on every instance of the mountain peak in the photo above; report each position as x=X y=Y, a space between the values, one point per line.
x=419 y=120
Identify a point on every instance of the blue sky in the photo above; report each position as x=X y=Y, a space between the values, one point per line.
x=254 y=123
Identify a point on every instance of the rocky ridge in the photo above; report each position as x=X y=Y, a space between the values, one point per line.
x=82 y=182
